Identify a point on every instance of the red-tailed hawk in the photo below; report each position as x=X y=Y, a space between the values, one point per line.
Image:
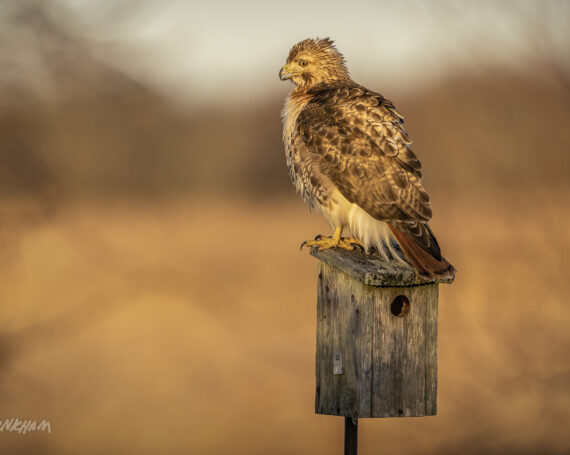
x=349 y=157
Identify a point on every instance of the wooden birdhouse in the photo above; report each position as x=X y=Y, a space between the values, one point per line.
x=376 y=338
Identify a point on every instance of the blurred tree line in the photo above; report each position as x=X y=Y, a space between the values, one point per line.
x=74 y=126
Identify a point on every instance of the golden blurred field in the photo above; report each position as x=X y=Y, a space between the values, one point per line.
x=153 y=298
x=189 y=327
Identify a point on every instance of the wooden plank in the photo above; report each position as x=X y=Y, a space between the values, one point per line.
x=373 y=270
x=325 y=392
x=431 y=352
x=413 y=392
x=364 y=341
x=400 y=354
x=345 y=314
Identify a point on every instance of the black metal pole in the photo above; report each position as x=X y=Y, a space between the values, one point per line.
x=350 y=436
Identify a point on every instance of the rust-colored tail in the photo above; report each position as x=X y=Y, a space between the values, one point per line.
x=422 y=259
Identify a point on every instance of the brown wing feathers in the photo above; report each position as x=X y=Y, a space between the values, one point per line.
x=358 y=140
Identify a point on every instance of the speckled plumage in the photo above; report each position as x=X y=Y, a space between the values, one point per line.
x=349 y=156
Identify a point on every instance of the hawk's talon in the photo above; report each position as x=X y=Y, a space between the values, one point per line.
x=322 y=242
x=358 y=245
x=355 y=243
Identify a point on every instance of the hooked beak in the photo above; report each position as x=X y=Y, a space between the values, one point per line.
x=284 y=73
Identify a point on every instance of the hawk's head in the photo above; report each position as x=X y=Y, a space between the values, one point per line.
x=313 y=61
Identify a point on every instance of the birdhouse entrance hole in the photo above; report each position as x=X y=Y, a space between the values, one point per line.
x=400 y=306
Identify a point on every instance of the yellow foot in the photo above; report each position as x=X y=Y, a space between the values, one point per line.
x=324 y=243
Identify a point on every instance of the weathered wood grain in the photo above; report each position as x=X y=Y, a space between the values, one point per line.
x=373 y=270
x=431 y=352
x=389 y=362
x=402 y=363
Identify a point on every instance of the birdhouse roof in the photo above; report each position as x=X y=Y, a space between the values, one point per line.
x=374 y=270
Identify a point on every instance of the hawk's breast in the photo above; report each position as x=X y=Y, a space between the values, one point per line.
x=304 y=174
x=321 y=193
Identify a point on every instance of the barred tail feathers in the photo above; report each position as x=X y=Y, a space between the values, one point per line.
x=423 y=260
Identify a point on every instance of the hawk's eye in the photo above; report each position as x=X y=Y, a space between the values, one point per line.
x=303 y=62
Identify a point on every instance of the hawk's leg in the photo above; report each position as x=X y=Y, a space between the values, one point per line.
x=336 y=241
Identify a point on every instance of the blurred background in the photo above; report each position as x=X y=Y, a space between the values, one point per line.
x=152 y=295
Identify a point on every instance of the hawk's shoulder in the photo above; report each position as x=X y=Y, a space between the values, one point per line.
x=357 y=139
x=354 y=109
